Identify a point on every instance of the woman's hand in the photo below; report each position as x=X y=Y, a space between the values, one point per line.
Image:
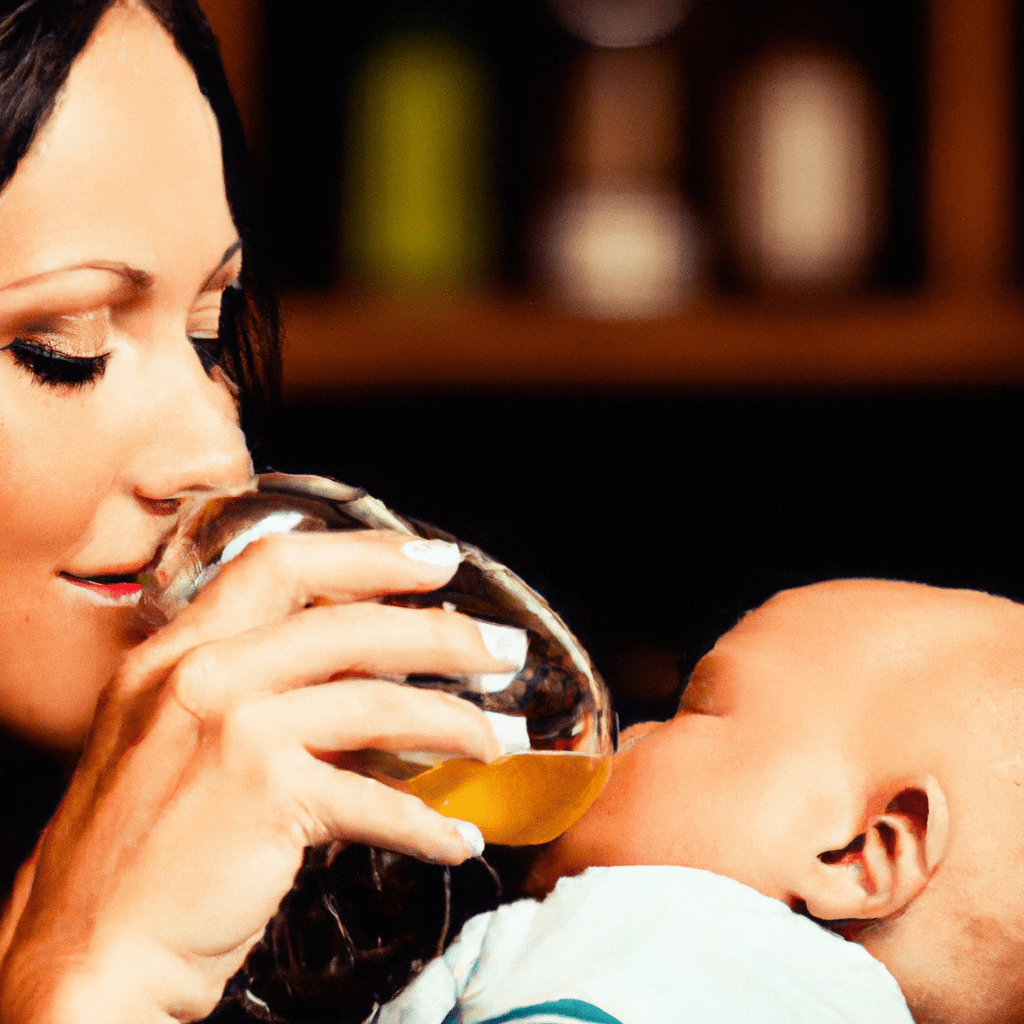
x=206 y=775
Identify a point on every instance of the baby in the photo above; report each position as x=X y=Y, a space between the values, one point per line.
x=852 y=751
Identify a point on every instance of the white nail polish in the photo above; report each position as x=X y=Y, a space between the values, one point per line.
x=506 y=643
x=510 y=730
x=470 y=835
x=433 y=552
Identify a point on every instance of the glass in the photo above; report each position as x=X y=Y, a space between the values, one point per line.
x=552 y=714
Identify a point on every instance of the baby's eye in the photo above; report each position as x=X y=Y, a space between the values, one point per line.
x=54 y=368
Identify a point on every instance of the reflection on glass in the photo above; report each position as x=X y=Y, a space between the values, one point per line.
x=551 y=711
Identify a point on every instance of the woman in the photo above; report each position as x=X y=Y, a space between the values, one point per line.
x=131 y=315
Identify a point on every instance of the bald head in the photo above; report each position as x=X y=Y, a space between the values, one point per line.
x=854 y=749
x=867 y=630
x=891 y=667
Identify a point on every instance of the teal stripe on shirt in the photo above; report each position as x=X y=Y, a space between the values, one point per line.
x=565 y=1009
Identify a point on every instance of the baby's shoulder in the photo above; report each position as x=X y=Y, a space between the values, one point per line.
x=636 y=944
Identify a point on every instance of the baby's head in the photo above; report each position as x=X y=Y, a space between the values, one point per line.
x=855 y=749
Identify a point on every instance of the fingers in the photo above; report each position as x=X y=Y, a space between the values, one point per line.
x=361 y=714
x=313 y=645
x=207 y=770
x=278 y=575
x=308 y=647
x=364 y=811
x=288 y=731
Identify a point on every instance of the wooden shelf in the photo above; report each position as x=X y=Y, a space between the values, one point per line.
x=337 y=344
x=967 y=328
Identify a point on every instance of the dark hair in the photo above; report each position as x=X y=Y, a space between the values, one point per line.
x=39 y=41
x=357 y=926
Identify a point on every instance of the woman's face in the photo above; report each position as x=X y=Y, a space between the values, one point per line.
x=116 y=243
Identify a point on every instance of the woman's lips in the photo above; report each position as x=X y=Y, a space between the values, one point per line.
x=117 y=587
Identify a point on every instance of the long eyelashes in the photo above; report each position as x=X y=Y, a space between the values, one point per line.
x=209 y=350
x=56 y=369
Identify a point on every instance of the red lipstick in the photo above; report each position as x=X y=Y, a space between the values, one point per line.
x=114 y=587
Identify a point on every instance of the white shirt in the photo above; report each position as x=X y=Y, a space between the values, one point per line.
x=650 y=945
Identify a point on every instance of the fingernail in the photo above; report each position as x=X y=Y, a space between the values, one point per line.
x=441 y=553
x=470 y=835
x=506 y=643
x=275 y=523
x=510 y=730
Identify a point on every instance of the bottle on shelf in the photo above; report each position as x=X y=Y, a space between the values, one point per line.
x=417 y=189
x=803 y=172
x=617 y=240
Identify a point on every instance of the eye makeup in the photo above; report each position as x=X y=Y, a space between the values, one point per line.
x=63 y=351
x=210 y=351
x=53 y=368
x=205 y=321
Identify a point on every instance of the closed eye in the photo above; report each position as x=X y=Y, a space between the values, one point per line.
x=53 y=368
x=209 y=350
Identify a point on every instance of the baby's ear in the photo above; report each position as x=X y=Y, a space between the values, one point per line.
x=884 y=867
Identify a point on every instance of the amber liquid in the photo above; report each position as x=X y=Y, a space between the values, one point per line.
x=518 y=800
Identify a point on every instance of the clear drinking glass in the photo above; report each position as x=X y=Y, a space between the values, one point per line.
x=552 y=715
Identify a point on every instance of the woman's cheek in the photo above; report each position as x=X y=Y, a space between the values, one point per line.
x=56 y=649
x=54 y=472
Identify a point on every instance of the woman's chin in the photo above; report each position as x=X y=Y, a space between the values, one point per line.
x=56 y=657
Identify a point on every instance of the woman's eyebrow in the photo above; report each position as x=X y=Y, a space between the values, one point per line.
x=139 y=279
x=38 y=286
x=229 y=254
x=77 y=286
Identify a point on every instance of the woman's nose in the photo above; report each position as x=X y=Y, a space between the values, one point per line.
x=193 y=439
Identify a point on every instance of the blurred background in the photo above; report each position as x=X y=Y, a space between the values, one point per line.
x=666 y=303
